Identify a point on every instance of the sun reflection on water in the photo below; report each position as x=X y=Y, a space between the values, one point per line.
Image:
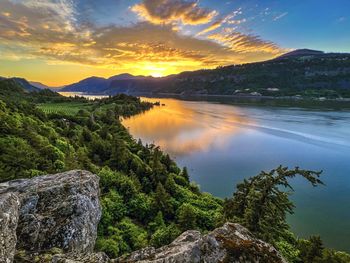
x=179 y=128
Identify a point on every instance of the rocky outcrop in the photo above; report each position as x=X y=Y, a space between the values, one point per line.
x=230 y=243
x=54 y=211
x=54 y=219
x=9 y=206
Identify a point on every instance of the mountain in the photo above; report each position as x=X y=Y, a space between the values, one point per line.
x=16 y=89
x=9 y=87
x=26 y=85
x=107 y=86
x=304 y=72
x=40 y=85
x=301 y=53
x=21 y=82
x=89 y=85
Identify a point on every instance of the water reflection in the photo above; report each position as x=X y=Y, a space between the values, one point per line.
x=181 y=129
x=223 y=144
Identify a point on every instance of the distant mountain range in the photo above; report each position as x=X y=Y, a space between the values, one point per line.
x=123 y=82
x=302 y=72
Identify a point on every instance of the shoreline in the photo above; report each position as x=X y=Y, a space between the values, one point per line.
x=216 y=96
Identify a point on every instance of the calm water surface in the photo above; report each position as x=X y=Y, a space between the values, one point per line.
x=223 y=144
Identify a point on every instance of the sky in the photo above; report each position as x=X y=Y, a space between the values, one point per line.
x=58 y=42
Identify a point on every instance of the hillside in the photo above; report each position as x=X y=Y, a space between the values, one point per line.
x=40 y=85
x=146 y=199
x=306 y=73
x=22 y=83
x=301 y=53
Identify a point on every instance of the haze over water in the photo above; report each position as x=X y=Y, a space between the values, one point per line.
x=223 y=144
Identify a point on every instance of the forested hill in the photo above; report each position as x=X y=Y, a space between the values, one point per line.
x=146 y=198
x=22 y=83
x=306 y=73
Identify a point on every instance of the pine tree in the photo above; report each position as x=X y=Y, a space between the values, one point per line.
x=261 y=204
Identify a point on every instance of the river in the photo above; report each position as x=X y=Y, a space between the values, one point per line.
x=222 y=144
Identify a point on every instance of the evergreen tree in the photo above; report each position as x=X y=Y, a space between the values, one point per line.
x=261 y=204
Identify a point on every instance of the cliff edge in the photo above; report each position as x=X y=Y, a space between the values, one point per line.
x=54 y=218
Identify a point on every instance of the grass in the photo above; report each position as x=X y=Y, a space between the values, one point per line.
x=68 y=108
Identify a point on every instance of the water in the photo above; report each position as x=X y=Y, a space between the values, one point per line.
x=223 y=144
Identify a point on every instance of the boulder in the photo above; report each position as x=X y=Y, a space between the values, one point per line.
x=9 y=205
x=56 y=211
x=230 y=243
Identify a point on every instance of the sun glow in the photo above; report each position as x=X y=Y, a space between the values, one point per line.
x=157 y=75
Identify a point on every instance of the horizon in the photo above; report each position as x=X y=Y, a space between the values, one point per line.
x=58 y=43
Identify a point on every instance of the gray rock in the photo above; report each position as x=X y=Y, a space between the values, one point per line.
x=74 y=258
x=230 y=243
x=57 y=211
x=9 y=205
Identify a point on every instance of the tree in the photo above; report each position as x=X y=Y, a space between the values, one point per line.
x=164 y=235
x=311 y=250
x=261 y=204
x=162 y=199
x=113 y=209
x=186 y=217
x=185 y=175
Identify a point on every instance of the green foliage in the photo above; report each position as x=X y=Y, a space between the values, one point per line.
x=164 y=235
x=261 y=205
x=318 y=76
x=146 y=198
x=311 y=250
x=142 y=189
x=113 y=208
x=288 y=251
x=187 y=217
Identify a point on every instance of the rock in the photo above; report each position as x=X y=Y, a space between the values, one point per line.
x=230 y=243
x=9 y=205
x=74 y=258
x=57 y=211
x=57 y=256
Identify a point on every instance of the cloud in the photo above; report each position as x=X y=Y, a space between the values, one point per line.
x=212 y=27
x=280 y=16
x=50 y=31
x=172 y=11
x=229 y=19
x=245 y=43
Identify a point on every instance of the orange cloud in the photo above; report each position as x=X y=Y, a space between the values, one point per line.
x=49 y=32
x=212 y=27
x=242 y=43
x=170 y=11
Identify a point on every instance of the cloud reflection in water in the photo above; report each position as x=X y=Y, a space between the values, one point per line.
x=180 y=129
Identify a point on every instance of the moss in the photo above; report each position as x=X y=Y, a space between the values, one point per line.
x=248 y=250
x=23 y=256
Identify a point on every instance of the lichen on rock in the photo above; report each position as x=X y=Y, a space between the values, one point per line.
x=9 y=205
x=56 y=211
x=229 y=243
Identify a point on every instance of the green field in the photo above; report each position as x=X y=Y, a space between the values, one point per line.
x=68 y=108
